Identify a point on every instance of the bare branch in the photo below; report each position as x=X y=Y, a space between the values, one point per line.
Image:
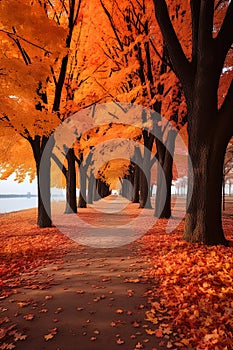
x=77 y=12
x=179 y=61
x=12 y=34
x=59 y=164
x=112 y=25
x=225 y=36
x=160 y=57
x=64 y=6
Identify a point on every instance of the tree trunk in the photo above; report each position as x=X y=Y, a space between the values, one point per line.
x=164 y=177
x=96 y=195
x=71 y=201
x=106 y=191
x=82 y=184
x=207 y=139
x=203 y=222
x=38 y=145
x=91 y=183
x=145 y=176
x=136 y=184
x=223 y=193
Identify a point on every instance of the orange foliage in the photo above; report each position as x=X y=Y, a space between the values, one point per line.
x=191 y=297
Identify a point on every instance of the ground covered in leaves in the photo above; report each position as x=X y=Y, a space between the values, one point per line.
x=157 y=293
x=192 y=294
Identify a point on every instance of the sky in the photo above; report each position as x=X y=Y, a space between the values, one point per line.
x=10 y=186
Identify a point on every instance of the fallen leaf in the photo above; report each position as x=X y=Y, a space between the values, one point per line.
x=23 y=303
x=43 y=311
x=158 y=333
x=29 y=317
x=18 y=336
x=130 y=292
x=169 y=345
x=7 y=346
x=51 y=334
x=79 y=308
x=58 y=310
x=119 y=311
x=131 y=280
x=106 y=279
x=150 y=332
x=3 y=332
x=120 y=341
x=136 y=324
x=4 y=320
x=48 y=336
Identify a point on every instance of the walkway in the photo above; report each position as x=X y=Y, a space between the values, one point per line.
x=94 y=300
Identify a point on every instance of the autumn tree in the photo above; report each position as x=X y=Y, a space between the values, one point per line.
x=27 y=57
x=209 y=125
x=143 y=68
x=12 y=156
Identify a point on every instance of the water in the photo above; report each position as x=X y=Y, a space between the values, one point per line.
x=8 y=205
x=14 y=204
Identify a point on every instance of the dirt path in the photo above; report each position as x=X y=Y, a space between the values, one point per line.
x=97 y=301
x=93 y=300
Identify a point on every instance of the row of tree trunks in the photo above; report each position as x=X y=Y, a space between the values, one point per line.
x=102 y=189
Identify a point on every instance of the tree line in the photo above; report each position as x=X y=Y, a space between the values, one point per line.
x=173 y=58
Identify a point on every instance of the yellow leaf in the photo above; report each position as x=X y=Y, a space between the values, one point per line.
x=119 y=311
x=120 y=341
x=49 y=336
x=150 y=332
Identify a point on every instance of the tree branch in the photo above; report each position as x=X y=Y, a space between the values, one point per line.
x=59 y=164
x=227 y=106
x=77 y=12
x=206 y=17
x=179 y=61
x=160 y=57
x=225 y=36
x=112 y=25
x=195 y=10
x=226 y=111
x=12 y=34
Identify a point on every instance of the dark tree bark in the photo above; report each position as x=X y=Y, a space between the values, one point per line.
x=137 y=160
x=83 y=166
x=209 y=128
x=96 y=193
x=38 y=145
x=82 y=203
x=136 y=184
x=223 y=193
x=128 y=183
x=91 y=185
x=164 y=175
x=106 y=190
x=145 y=173
x=71 y=200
